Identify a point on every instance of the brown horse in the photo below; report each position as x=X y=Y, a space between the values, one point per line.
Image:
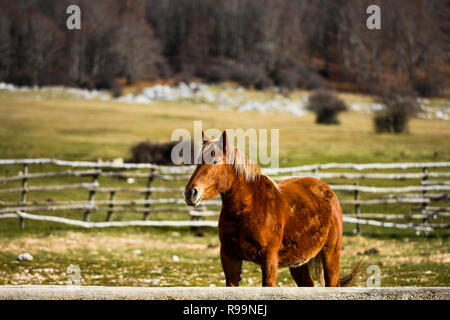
x=285 y=225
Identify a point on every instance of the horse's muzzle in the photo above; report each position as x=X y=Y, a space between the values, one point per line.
x=192 y=196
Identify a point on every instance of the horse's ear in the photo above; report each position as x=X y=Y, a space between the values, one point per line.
x=224 y=141
x=205 y=138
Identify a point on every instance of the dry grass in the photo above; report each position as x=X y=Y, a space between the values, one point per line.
x=92 y=241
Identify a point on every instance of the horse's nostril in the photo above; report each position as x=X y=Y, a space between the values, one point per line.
x=191 y=194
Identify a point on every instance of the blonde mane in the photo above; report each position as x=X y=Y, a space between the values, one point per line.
x=246 y=167
x=239 y=161
x=250 y=170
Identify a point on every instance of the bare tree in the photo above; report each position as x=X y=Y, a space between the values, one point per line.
x=5 y=44
x=138 y=48
x=45 y=43
x=256 y=42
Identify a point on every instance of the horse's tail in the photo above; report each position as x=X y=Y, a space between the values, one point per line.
x=349 y=279
x=316 y=265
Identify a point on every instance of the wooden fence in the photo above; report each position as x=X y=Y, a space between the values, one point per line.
x=161 y=191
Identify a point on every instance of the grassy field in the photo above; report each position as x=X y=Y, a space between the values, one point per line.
x=169 y=257
x=59 y=127
x=77 y=129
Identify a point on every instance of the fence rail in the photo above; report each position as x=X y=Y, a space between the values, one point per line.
x=430 y=197
x=184 y=169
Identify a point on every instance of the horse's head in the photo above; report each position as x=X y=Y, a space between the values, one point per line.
x=214 y=174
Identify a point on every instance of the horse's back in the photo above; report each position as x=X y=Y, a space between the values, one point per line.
x=307 y=191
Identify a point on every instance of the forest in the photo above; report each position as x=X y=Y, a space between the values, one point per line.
x=258 y=43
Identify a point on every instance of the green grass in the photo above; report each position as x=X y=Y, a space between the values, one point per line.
x=60 y=127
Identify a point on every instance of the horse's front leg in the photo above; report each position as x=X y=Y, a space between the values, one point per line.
x=269 y=268
x=232 y=269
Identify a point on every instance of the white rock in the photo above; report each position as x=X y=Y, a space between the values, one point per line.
x=377 y=107
x=25 y=257
x=175 y=258
x=355 y=107
x=441 y=115
x=141 y=99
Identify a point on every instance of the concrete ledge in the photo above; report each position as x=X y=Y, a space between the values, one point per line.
x=32 y=292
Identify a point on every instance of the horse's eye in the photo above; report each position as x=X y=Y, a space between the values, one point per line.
x=216 y=161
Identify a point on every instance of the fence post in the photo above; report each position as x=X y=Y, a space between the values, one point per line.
x=357 y=209
x=23 y=197
x=87 y=213
x=198 y=230
x=148 y=194
x=424 y=193
x=110 y=206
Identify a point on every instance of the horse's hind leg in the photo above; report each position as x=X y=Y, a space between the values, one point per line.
x=331 y=251
x=330 y=259
x=301 y=276
x=232 y=269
